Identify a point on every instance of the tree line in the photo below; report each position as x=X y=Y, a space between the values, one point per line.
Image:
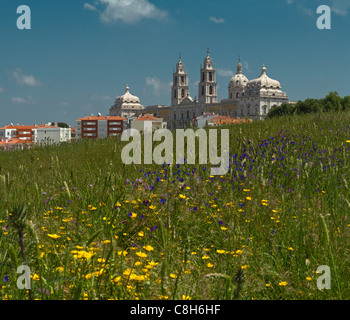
x=332 y=102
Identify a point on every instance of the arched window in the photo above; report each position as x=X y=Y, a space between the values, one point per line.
x=210 y=90
x=203 y=77
x=237 y=95
x=182 y=93
x=210 y=76
x=175 y=81
x=182 y=80
x=202 y=91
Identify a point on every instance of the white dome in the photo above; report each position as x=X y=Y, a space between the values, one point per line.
x=127 y=97
x=239 y=80
x=264 y=82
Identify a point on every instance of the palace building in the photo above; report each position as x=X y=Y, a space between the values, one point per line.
x=246 y=98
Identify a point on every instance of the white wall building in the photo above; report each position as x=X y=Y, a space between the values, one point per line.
x=52 y=135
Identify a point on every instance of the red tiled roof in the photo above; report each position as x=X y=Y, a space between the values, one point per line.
x=148 y=117
x=13 y=141
x=19 y=127
x=102 y=118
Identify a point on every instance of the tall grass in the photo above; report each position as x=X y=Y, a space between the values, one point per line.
x=95 y=228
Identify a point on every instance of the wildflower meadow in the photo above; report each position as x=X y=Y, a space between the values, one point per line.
x=90 y=227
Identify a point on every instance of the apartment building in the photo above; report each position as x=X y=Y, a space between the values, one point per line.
x=95 y=127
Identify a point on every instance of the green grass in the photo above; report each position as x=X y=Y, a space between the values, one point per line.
x=258 y=232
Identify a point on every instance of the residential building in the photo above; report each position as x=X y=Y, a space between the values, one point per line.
x=94 y=127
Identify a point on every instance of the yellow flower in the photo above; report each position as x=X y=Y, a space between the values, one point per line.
x=117 y=279
x=220 y=251
x=246 y=190
x=283 y=283
x=244 y=267
x=347 y=141
x=136 y=277
x=172 y=276
x=54 y=236
x=308 y=278
x=141 y=254
x=141 y=234
x=184 y=297
x=248 y=198
x=182 y=196
x=35 y=277
x=268 y=285
x=205 y=257
x=106 y=242
x=148 y=248
x=290 y=248
x=210 y=265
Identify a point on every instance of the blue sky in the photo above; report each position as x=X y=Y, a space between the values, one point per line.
x=80 y=54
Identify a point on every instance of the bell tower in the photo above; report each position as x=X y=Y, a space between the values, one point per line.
x=180 y=88
x=207 y=87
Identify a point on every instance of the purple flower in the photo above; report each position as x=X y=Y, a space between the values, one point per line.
x=6 y=278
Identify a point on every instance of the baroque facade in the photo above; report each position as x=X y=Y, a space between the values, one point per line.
x=246 y=98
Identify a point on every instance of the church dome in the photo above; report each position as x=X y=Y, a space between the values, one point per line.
x=239 y=80
x=264 y=82
x=127 y=97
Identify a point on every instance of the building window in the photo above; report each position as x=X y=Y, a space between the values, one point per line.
x=182 y=93
x=203 y=77
x=237 y=95
x=174 y=116
x=188 y=114
x=175 y=81
x=174 y=93
x=210 y=90
x=210 y=76
x=202 y=91
x=182 y=80
x=231 y=95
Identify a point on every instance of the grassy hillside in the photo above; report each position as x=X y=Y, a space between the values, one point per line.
x=90 y=227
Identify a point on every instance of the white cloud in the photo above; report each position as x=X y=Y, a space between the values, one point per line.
x=25 y=80
x=101 y=97
x=128 y=11
x=22 y=100
x=340 y=7
x=90 y=7
x=225 y=72
x=158 y=86
x=217 y=20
